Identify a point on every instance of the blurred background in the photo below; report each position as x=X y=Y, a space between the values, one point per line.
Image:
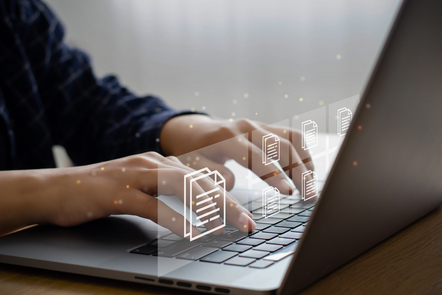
x=260 y=59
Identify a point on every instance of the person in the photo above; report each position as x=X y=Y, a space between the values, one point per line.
x=118 y=141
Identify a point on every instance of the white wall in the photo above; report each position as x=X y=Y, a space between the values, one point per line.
x=210 y=53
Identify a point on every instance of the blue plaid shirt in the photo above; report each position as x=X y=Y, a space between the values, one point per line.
x=49 y=95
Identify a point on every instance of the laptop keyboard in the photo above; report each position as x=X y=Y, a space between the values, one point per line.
x=274 y=239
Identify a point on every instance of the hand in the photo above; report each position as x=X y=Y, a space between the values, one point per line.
x=184 y=134
x=71 y=196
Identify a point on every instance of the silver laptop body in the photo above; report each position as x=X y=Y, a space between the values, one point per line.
x=387 y=175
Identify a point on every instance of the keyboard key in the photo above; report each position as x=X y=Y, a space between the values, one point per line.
x=281 y=215
x=196 y=253
x=306 y=213
x=161 y=243
x=237 y=248
x=145 y=250
x=276 y=230
x=257 y=216
x=299 y=229
x=263 y=236
x=267 y=247
x=298 y=218
x=239 y=261
x=261 y=264
x=177 y=248
x=254 y=254
x=218 y=257
x=291 y=235
x=278 y=256
x=261 y=226
x=172 y=237
x=269 y=220
x=250 y=242
x=302 y=205
x=281 y=241
x=232 y=236
x=217 y=243
x=292 y=210
x=289 y=224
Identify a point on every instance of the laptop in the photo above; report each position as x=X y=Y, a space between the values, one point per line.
x=387 y=174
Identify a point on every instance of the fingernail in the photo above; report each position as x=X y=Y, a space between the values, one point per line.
x=216 y=223
x=246 y=222
x=287 y=186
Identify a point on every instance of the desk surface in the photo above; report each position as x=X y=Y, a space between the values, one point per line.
x=408 y=263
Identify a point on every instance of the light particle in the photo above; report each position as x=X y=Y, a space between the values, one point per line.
x=355 y=163
x=120 y=202
x=256 y=114
x=285 y=131
x=190 y=126
x=163 y=182
x=296 y=117
x=360 y=127
x=173 y=219
x=203 y=108
x=244 y=158
x=301 y=99
x=368 y=106
x=280 y=83
x=123 y=169
x=115 y=202
x=233 y=114
x=194 y=163
x=338 y=56
x=235 y=101
x=187 y=164
x=102 y=168
x=321 y=102
x=246 y=95
x=302 y=78
x=127 y=186
x=245 y=225
x=197 y=158
x=78 y=181
x=158 y=140
x=197 y=93
x=137 y=135
x=231 y=120
x=286 y=96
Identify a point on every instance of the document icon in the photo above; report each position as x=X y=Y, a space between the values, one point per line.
x=204 y=204
x=309 y=134
x=270 y=149
x=309 y=185
x=344 y=119
x=270 y=201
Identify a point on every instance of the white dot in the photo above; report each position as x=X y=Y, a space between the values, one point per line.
x=296 y=117
x=280 y=83
x=158 y=140
x=246 y=95
x=338 y=56
x=368 y=106
x=302 y=78
x=89 y=214
x=120 y=202
x=123 y=169
x=203 y=108
x=137 y=135
x=197 y=158
x=233 y=114
x=192 y=109
x=240 y=139
x=173 y=219
x=163 y=182
x=94 y=173
x=286 y=96
x=197 y=93
x=235 y=101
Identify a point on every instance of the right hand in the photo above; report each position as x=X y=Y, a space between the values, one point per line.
x=128 y=186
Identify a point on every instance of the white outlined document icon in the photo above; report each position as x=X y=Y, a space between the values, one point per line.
x=271 y=201
x=309 y=134
x=205 y=210
x=309 y=186
x=344 y=118
x=270 y=149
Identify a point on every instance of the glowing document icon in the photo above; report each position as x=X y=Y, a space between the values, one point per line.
x=203 y=204
x=270 y=149
x=309 y=185
x=309 y=134
x=344 y=119
x=270 y=201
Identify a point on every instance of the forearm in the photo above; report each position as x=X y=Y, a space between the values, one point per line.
x=23 y=196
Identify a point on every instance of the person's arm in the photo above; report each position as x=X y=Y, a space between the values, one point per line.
x=94 y=119
x=71 y=196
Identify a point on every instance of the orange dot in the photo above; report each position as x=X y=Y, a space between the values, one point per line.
x=231 y=204
x=285 y=131
x=244 y=158
x=115 y=202
x=127 y=186
x=188 y=164
x=360 y=127
x=190 y=126
x=355 y=163
x=274 y=174
x=245 y=225
x=78 y=181
x=102 y=168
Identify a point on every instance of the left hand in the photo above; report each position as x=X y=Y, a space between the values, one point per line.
x=184 y=134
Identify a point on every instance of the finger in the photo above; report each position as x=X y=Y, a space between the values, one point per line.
x=146 y=206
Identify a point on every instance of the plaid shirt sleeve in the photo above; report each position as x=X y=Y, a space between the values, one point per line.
x=94 y=119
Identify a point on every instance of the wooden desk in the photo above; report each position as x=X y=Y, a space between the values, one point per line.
x=408 y=263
